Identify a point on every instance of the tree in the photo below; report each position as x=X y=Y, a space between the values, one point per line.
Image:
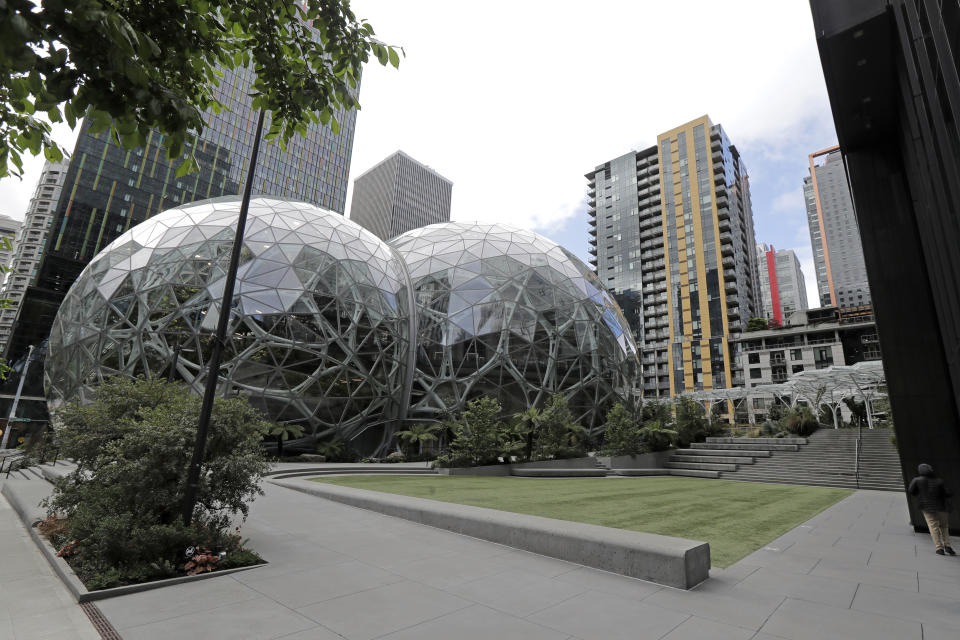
x=478 y=432
x=418 y=434
x=133 y=67
x=131 y=447
x=621 y=435
x=559 y=434
x=756 y=324
x=691 y=422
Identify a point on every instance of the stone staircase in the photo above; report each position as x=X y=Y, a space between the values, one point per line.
x=827 y=458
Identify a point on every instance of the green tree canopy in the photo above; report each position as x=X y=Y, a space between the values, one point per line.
x=756 y=324
x=134 y=66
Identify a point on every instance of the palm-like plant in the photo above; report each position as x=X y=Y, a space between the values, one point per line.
x=331 y=448
x=528 y=422
x=283 y=432
x=418 y=434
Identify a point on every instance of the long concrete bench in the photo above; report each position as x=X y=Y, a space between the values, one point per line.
x=744 y=446
x=674 y=562
x=558 y=473
x=719 y=452
x=729 y=440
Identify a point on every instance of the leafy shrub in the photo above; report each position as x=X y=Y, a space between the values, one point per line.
x=395 y=456
x=478 y=434
x=800 y=421
x=621 y=435
x=559 y=435
x=132 y=448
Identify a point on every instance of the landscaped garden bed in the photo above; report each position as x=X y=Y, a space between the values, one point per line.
x=118 y=518
x=736 y=518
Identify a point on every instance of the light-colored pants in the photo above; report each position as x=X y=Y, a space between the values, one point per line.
x=939 y=528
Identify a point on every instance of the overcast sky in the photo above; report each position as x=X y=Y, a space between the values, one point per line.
x=515 y=101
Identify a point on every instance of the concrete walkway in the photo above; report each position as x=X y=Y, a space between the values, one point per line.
x=855 y=571
x=34 y=604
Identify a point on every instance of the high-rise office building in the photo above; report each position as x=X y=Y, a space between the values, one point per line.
x=109 y=189
x=672 y=236
x=782 y=285
x=399 y=194
x=834 y=234
x=892 y=70
x=29 y=243
x=8 y=229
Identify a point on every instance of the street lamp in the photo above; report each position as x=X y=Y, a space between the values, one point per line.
x=213 y=374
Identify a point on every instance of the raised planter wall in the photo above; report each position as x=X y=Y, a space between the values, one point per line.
x=653 y=460
x=674 y=562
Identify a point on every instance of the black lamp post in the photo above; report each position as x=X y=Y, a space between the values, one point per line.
x=213 y=375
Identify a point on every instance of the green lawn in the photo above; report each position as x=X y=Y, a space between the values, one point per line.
x=736 y=518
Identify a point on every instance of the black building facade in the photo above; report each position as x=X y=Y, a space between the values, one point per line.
x=891 y=69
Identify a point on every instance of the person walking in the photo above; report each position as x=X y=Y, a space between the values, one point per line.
x=933 y=495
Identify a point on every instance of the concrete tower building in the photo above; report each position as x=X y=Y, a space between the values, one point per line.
x=672 y=237
x=782 y=285
x=29 y=243
x=399 y=194
x=108 y=189
x=834 y=234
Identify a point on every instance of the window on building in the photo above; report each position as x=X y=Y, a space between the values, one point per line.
x=797 y=368
x=796 y=354
x=753 y=358
x=756 y=374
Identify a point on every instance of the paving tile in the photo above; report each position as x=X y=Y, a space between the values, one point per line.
x=922 y=607
x=376 y=612
x=926 y=562
x=388 y=554
x=450 y=569
x=612 y=583
x=313 y=633
x=694 y=628
x=828 y=553
x=170 y=602
x=893 y=578
x=543 y=565
x=258 y=619
x=781 y=561
x=519 y=593
x=728 y=606
x=939 y=586
x=802 y=620
x=831 y=591
x=476 y=623
x=602 y=616
x=296 y=590
x=933 y=632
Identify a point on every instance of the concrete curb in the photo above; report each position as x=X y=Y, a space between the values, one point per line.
x=674 y=562
x=28 y=515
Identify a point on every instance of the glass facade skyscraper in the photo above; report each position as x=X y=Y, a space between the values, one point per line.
x=108 y=189
x=672 y=234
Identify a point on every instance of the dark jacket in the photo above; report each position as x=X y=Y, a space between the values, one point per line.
x=929 y=489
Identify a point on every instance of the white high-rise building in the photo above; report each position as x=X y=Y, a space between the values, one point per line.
x=834 y=234
x=30 y=239
x=398 y=195
x=783 y=288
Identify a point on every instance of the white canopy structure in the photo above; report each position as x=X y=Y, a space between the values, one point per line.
x=816 y=388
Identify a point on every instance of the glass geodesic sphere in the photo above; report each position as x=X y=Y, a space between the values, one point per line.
x=507 y=313
x=320 y=324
